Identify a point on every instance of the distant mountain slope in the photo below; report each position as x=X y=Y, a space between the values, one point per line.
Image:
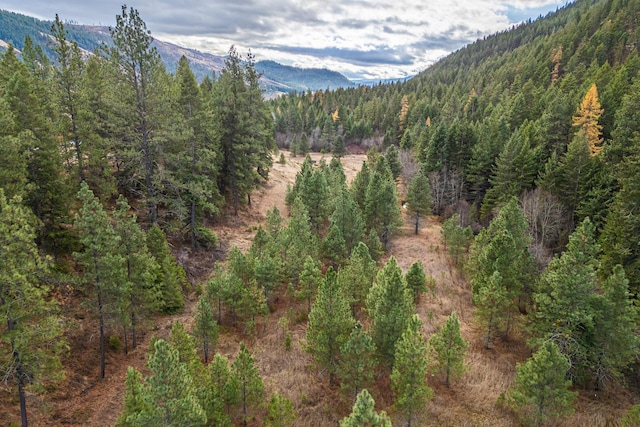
x=302 y=79
x=276 y=78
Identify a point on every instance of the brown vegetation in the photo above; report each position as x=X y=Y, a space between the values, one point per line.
x=474 y=400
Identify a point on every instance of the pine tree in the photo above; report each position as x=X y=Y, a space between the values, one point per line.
x=364 y=414
x=248 y=381
x=172 y=391
x=139 y=62
x=356 y=367
x=390 y=307
x=492 y=305
x=409 y=375
x=333 y=247
x=103 y=265
x=138 y=295
x=456 y=238
x=416 y=279
x=357 y=276
x=347 y=217
x=281 y=412
x=419 y=197
x=394 y=162
x=310 y=280
x=205 y=328
x=330 y=322
x=586 y=119
x=31 y=332
x=541 y=392
x=170 y=277
x=222 y=392
x=382 y=211
x=450 y=349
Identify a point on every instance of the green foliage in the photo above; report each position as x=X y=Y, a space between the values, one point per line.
x=416 y=279
x=170 y=277
x=248 y=382
x=310 y=280
x=541 y=391
x=390 y=307
x=409 y=374
x=631 y=417
x=419 y=197
x=449 y=349
x=357 y=363
x=222 y=392
x=330 y=322
x=356 y=277
x=394 y=162
x=31 y=331
x=364 y=414
x=205 y=328
x=281 y=412
x=457 y=238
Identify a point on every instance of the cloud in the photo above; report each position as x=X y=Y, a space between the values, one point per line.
x=385 y=38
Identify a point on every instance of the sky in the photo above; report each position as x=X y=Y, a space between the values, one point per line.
x=362 y=39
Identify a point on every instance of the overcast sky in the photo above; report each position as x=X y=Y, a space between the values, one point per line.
x=359 y=38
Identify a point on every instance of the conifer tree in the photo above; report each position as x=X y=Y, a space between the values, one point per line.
x=450 y=349
x=330 y=322
x=357 y=364
x=390 y=307
x=103 y=265
x=419 y=197
x=416 y=279
x=310 y=279
x=409 y=375
x=248 y=381
x=281 y=412
x=394 y=162
x=138 y=295
x=31 y=331
x=334 y=247
x=586 y=119
x=221 y=393
x=364 y=414
x=382 y=211
x=357 y=276
x=541 y=391
x=359 y=187
x=138 y=60
x=492 y=305
x=348 y=219
x=170 y=277
x=205 y=328
x=456 y=238
x=170 y=391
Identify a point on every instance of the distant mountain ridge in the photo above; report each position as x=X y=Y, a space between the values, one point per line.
x=276 y=78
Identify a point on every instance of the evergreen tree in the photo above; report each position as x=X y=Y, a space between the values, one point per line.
x=541 y=391
x=248 y=381
x=364 y=414
x=205 y=328
x=195 y=161
x=221 y=393
x=450 y=349
x=138 y=295
x=416 y=279
x=390 y=307
x=170 y=277
x=330 y=322
x=382 y=211
x=333 y=247
x=310 y=279
x=492 y=305
x=409 y=375
x=357 y=276
x=419 y=197
x=246 y=135
x=281 y=412
x=169 y=391
x=138 y=62
x=456 y=238
x=357 y=363
x=31 y=332
x=359 y=187
x=103 y=265
x=347 y=217
x=394 y=162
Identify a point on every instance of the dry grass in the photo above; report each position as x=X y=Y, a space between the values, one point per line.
x=472 y=400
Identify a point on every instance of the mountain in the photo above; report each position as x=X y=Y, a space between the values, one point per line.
x=277 y=79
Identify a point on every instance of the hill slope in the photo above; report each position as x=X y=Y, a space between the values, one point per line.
x=276 y=78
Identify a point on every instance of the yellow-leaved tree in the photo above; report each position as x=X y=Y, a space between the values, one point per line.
x=586 y=119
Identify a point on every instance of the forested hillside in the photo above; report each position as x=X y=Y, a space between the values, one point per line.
x=480 y=267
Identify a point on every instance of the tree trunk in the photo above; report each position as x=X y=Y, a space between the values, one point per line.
x=21 y=394
x=101 y=316
x=417 y=221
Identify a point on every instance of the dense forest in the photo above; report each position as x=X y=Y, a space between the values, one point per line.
x=525 y=145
